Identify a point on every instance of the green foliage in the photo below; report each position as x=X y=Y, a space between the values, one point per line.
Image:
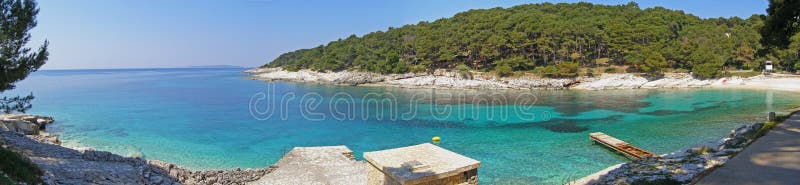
x=417 y=68
x=17 y=61
x=782 y=22
x=764 y=129
x=654 y=63
x=463 y=70
x=567 y=69
x=503 y=70
x=5 y=180
x=797 y=65
x=706 y=63
x=530 y=36
x=391 y=64
x=564 y=69
x=18 y=168
x=546 y=71
x=610 y=70
x=747 y=74
x=706 y=70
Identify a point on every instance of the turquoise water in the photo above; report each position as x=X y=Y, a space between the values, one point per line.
x=201 y=119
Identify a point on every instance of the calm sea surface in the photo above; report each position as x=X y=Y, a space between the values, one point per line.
x=216 y=118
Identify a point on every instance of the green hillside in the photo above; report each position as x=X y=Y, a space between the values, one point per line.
x=546 y=37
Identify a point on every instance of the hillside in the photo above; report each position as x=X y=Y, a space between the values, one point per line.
x=546 y=38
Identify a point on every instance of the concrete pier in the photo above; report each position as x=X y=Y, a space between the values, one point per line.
x=421 y=164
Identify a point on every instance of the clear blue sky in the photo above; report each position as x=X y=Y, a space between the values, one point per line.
x=177 y=33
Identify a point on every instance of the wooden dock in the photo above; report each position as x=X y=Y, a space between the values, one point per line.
x=620 y=146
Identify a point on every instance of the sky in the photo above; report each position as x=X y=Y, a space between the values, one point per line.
x=105 y=34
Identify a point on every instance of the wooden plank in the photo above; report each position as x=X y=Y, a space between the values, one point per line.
x=620 y=145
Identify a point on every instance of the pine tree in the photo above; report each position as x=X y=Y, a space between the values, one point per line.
x=17 y=18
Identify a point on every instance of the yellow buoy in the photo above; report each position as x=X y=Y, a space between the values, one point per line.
x=436 y=139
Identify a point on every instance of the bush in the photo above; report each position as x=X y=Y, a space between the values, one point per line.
x=292 y=68
x=463 y=70
x=610 y=70
x=546 y=71
x=503 y=70
x=706 y=70
x=567 y=69
x=18 y=168
x=743 y=74
x=417 y=68
x=654 y=63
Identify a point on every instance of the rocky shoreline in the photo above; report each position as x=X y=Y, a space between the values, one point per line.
x=681 y=167
x=477 y=80
x=61 y=165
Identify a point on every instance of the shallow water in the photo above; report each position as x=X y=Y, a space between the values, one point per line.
x=201 y=119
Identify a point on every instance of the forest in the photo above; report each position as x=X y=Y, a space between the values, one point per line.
x=557 y=39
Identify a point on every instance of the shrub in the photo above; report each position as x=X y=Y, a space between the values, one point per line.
x=610 y=70
x=567 y=69
x=602 y=61
x=18 y=168
x=743 y=74
x=417 y=68
x=706 y=70
x=546 y=71
x=764 y=129
x=292 y=68
x=654 y=63
x=503 y=70
x=463 y=70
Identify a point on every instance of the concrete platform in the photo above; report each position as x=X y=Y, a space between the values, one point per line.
x=317 y=166
x=420 y=164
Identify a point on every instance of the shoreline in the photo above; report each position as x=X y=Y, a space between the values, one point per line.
x=686 y=166
x=443 y=79
x=84 y=165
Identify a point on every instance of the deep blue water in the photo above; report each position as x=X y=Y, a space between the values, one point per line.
x=201 y=119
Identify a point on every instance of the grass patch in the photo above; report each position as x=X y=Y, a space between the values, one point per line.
x=767 y=126
x=18 y=168
x=745 y=74
x=770 y=124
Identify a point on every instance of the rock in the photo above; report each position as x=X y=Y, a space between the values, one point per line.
x=156 y=180
x=23 y=123
x=21 y=132
x=683 y=166
x=727 y=152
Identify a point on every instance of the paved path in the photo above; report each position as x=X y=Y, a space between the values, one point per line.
x=317 y=166
x=772 y=159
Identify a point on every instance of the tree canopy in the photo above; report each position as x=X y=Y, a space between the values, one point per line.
x=782 y=23
x=527 y=37
x=17 y=18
